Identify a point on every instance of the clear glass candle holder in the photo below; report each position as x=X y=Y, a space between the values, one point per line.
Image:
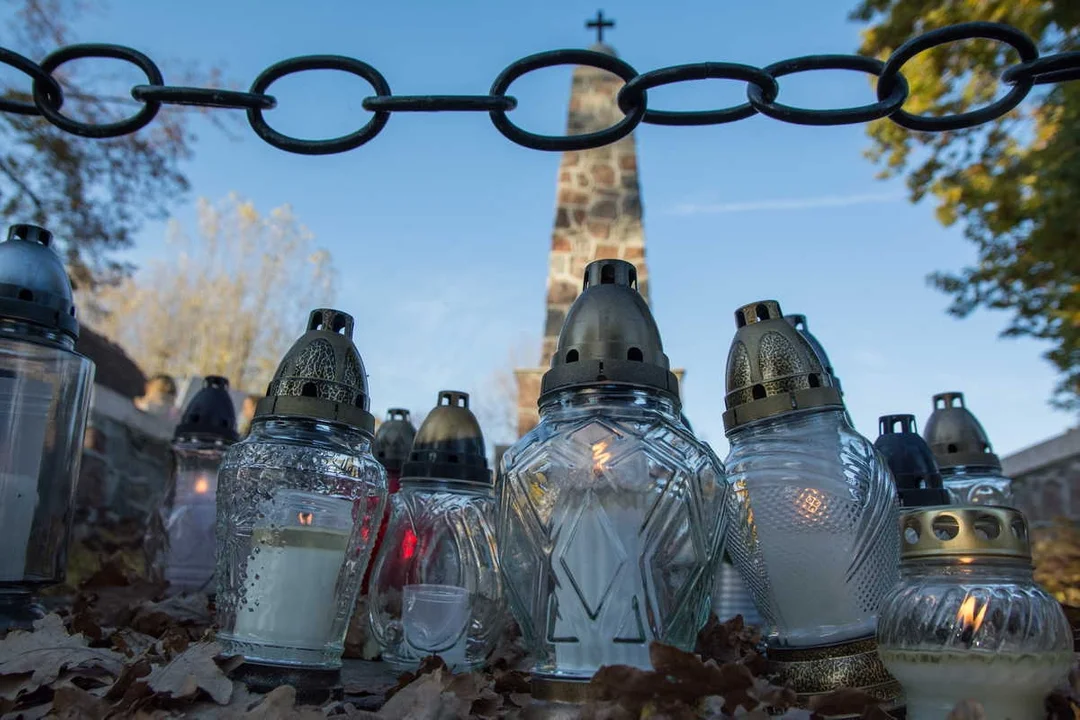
x=967 y=620
x=435 y=585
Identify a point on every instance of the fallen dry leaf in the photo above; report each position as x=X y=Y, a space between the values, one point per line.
x=72 y=703
x=280 y=704
x=425 y=699
x=48 y=651
x=192 y=670
x=967 y=710
x=845 y=701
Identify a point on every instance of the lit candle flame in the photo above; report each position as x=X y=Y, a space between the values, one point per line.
x=202 y=486
x=601 y=455
x=968 y=618
x=305 y=518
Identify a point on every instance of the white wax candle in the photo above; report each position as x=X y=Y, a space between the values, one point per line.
x=24 y=417
x=1009 y=686
x=291 y=578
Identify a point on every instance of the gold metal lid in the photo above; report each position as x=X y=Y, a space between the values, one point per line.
x=963 y=531
x=772 y=369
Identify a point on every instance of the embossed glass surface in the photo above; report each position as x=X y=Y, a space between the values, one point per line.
x=299 y=503
x=977 y=486
x=978 y=629
x=814 y=520
x=180 y=535
x=435 y=587
x=611 y=523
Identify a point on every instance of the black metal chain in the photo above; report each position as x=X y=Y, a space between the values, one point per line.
x=762 y=92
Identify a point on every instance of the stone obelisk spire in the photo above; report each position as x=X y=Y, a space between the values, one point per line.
x=597 y=212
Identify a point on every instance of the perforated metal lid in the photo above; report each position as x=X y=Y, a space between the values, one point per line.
x=449 y=444
x=209 y=415
x=322 y=376
x=772 y=369
x=956 y=437
x=918 y=480
x=394 y=438
x=964 y=531
x=34 y=286
x=609 y=336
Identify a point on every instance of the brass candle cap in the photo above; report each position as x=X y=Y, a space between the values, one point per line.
x=956 y=436
x=772 y=369
x=449 y=444
x=964 y=531
x=819 y=670
x=322 y=377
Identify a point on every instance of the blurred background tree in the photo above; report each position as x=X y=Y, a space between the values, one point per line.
x=92 y=194
x=1013 y=184
x=229 y=300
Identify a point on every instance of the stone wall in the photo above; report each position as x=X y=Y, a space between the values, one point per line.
x=127 y=457
x=1046 y=479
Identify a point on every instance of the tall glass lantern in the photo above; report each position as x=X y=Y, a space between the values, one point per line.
x=393 y=440
x=435 y=585
x=813 y=530
x=611 y=513
x=44 y=403
x=299 y=502
x=180 y=537
x=970 y=469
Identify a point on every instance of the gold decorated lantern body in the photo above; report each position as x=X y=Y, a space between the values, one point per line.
x=813 y=528
x=300 y=500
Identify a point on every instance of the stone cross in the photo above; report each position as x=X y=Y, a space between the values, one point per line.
x=599 y=24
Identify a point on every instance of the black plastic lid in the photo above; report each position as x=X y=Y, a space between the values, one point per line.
x=394 y=439
x=210 y=415
x=956 y=437
x=609 y=336
x=918 y=480
x=34 y=286
x=449 y=444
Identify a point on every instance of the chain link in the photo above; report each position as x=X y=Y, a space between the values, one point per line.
x=762 y=92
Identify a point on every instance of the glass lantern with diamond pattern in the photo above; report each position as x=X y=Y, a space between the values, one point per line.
x=611 y=516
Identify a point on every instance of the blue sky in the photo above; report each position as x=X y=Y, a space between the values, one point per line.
x=440 y=228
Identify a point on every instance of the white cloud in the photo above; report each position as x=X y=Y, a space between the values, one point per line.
x=777 y=205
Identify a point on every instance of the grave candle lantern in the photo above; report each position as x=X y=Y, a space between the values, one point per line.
x=180 y=538
x=610 y=519
x=813 y=528
x=435 y=587
x=393 y=440
x=967 y=621
x=44 y=402
x=299 y=502
x=910 y=461
x=969 y=468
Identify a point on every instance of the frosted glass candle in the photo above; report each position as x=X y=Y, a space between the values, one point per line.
x=290 y=597
x=434 y=620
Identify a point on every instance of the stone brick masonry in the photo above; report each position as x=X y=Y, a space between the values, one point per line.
x=598 y=215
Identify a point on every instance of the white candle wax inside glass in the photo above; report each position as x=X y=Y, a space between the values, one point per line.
x=599 y=589
x=810 y=593
x=1009 y=686
x=435 y=620
x=290 y=589
x=24 y=416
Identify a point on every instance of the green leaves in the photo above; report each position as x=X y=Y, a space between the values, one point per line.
x=1014 y=184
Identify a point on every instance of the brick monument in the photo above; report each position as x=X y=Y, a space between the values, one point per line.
x=598 y=214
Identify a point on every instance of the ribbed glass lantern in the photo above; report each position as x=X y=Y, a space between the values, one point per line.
x=180 y=536
x=435 y=587
x=814 y=510
x=611 y=517
x=45 y=391
x=967 y=620
x=299 y=502
x=969 y=468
